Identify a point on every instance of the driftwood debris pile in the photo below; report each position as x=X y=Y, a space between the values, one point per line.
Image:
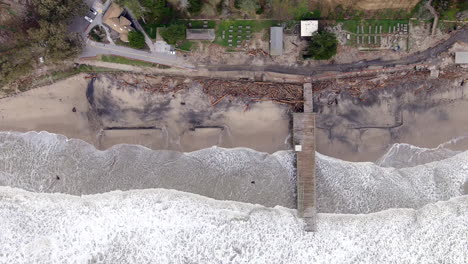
x=284 y=93
x=217 y=90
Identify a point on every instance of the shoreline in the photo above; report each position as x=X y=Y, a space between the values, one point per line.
x=186 y=120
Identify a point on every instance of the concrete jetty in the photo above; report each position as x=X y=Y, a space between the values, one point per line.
x=304 y=145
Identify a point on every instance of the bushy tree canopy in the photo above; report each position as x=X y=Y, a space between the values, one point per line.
x=323 y=46
x=136 y=39
x=47 y=37
x=195 y=6
x=58 y=10
x=158 y=12
x=173 y=33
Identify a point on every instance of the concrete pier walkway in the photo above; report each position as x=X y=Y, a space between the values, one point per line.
x=304 y=143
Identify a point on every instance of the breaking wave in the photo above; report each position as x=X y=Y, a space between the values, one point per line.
x=164 y=226
x=45 y=162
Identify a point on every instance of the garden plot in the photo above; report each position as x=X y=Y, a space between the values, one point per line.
x=377 y=34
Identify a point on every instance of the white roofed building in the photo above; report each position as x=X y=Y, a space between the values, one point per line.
x=308 y=27
x=461 y=57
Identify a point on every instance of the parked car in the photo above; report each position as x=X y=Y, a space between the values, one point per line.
x=93 y=11
x=88 y=19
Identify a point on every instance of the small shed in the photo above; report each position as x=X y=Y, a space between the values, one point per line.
x=308 y=27
x=276 y=41
x=200 y=34
x=461 y=57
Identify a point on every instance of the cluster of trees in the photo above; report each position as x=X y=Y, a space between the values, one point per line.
x=136 y=39
x=195 y=6
x=43 y=34
x=444 y=5
x=173 y=33
x=158 y=12
x=323 y=46
x=250 y=7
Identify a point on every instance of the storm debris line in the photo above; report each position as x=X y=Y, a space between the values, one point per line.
x=217 y=90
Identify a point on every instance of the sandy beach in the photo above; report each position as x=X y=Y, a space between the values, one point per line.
x=426 y=113
x=104 y=115
x=60 y=108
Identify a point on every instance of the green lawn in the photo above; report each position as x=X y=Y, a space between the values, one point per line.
x=386 y=24
x=450 y=14
x=123 y=60
x=225 y=26
x=186 y=45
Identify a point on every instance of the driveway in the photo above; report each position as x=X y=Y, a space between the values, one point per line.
x=92 y=48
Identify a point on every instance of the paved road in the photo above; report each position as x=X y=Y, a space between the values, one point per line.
x=93 y=48
x=461 y=35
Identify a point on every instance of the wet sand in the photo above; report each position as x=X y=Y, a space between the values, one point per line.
x=349 y=129
x=107 y=115
x=363 y=131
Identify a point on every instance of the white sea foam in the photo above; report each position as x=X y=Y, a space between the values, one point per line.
x=163 y=226
x=45 y=162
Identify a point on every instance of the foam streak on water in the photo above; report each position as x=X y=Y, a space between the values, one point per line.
x=44 y=162
x=163 y=226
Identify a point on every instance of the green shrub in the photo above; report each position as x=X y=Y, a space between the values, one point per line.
x=195 y=6
x=323 y=46
x=173 y=33
x=136 y=39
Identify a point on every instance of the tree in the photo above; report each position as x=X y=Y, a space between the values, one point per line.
x=58 y=10
x=323 y=46
x=136 y=39
x=53 y=41
x=158 y=12
x=173 y=33
x=195 y=6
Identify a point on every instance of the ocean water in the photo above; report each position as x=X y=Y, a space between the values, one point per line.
x=166 y=226
x=51 y=163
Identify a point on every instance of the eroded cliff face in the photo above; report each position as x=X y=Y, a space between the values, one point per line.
x=366 y=4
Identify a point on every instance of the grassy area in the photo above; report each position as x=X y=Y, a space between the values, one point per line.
x=386 y=24
x=450 y=14
x=186 y=45
x=59 y=75
x=199 y=23
x=127 y=44
x=225 y=26
x=123 y=60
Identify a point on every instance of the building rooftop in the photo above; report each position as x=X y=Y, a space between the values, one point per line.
x=276 y=41
x=119 y=23
x=200 y=34
x=461 y=57
x=308 y=27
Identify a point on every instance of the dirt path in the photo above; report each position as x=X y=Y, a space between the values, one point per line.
x=461 y=35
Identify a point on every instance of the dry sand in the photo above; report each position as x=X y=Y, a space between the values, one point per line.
x=184 y=121
x=50 y=108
